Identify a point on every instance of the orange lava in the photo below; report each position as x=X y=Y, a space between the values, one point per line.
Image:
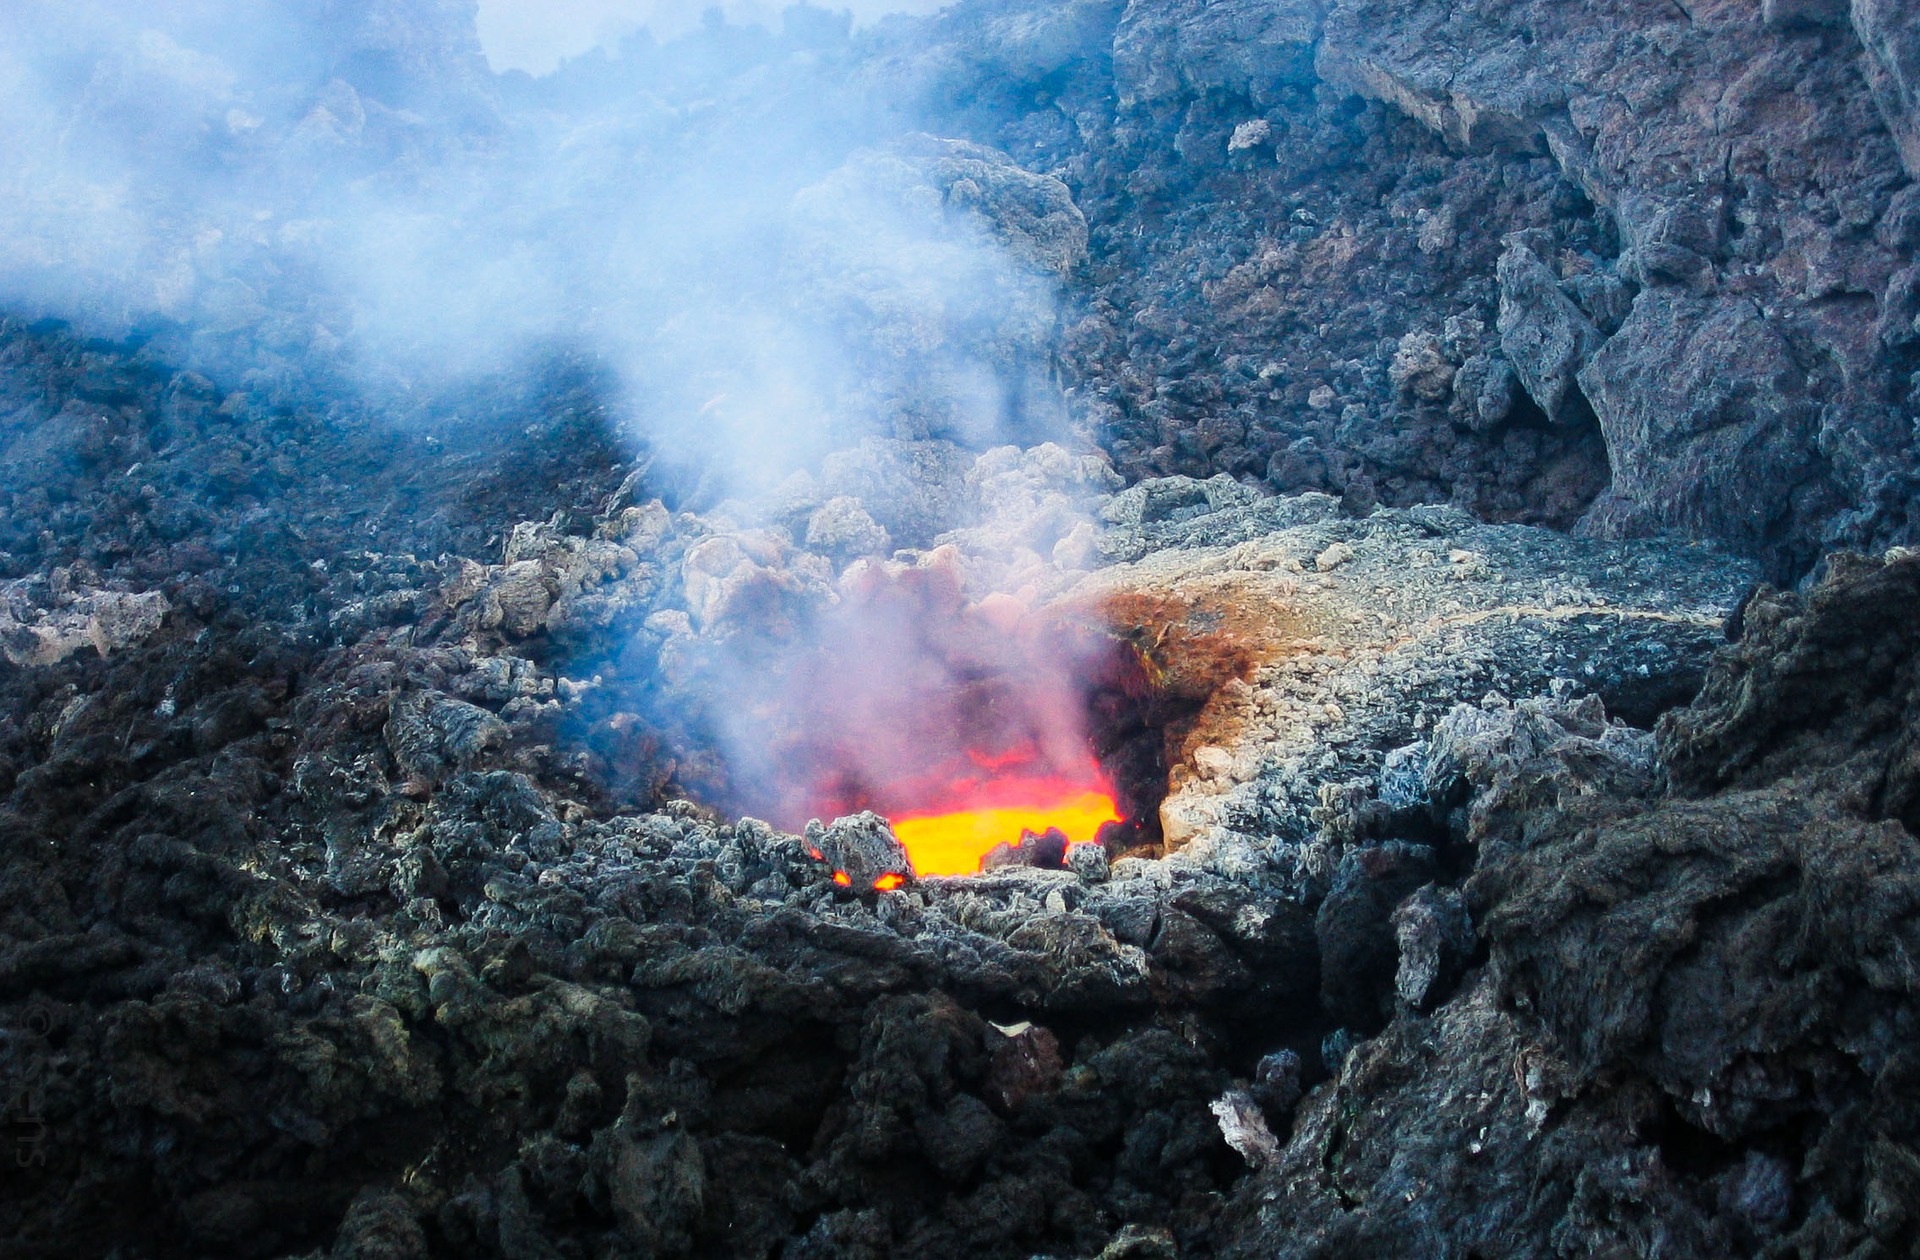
x=889 y=882
x=955 y=842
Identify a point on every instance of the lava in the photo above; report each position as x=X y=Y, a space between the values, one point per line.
x=968 y=724
x=1006 y=811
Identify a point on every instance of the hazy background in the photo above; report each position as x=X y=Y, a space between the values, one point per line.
x=536 y=35
x=724 y=217
x=740 y=225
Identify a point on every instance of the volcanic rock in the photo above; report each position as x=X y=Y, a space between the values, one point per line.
x=1310 y=673
x=862 y=849
x=73 y=618
x=1724 y=949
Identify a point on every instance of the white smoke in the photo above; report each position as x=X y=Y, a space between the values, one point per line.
x=744 y=225
x=725 y=220
x=535 y=36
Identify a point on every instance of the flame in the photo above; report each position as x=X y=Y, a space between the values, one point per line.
x=955 y=842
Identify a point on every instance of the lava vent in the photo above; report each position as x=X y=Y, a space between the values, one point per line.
x=983 y=731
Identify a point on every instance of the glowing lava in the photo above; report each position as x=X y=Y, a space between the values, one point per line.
x=955 y=842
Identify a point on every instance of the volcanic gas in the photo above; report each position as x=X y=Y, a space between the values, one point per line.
x=965 y=723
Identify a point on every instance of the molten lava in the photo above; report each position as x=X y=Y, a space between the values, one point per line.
x=955 y=843
x=965 y=723
x=949 y=823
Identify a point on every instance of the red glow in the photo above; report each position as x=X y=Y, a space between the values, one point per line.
x=843 y=879
x=1000 y=761
x=889 y=882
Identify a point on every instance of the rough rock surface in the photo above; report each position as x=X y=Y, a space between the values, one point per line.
x=1687 y=1033
x=1643 y=266
x=337 y=916
x=1315 y=644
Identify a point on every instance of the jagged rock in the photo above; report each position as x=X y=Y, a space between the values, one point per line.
x=1357 y=931
x=1245 y=1128
x=862 y=849
x=1435 y=936
x=1026 y=1064
x=1893 y=67
x=431 y=735
x=1047 y=852
x=1688 y=432
x=1167 y=52
x=1276 y=1085
x=1543 y=334
x=380 y=1226
x=1694 y=948
x=1291 y=664
x=1141 y=1242
x=1090 y=862
x=104 y=620
x=1420 y=368
x=1467 y=73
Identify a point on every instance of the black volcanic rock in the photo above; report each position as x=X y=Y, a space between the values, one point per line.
x=1691 y=1019
x=1264 y=244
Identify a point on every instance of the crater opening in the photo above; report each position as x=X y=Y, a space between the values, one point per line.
x=988 y=733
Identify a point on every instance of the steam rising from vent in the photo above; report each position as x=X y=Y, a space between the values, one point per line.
x=751 y=239
x=904 y=699
x=743 y=229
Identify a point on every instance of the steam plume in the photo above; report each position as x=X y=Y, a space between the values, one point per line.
x=759 y=243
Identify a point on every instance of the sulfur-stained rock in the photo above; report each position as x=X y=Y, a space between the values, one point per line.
x=1293 y=670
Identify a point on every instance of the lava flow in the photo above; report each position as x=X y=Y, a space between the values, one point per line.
x=1002 y=802
x=956 y=843
x=964 y=723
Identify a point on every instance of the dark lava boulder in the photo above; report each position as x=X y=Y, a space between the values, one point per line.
x=1692 y=1034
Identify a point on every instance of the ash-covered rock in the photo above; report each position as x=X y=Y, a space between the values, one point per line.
x=33 y=632
x=1688 y=1021
x=861 y=850
x=1318 y=647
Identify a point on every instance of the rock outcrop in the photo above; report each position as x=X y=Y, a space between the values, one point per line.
x=1685 y=1027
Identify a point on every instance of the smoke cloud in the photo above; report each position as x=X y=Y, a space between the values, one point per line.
x=535 y=36
x=743 y=224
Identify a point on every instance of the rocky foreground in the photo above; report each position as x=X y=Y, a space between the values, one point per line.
x=334 y=927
